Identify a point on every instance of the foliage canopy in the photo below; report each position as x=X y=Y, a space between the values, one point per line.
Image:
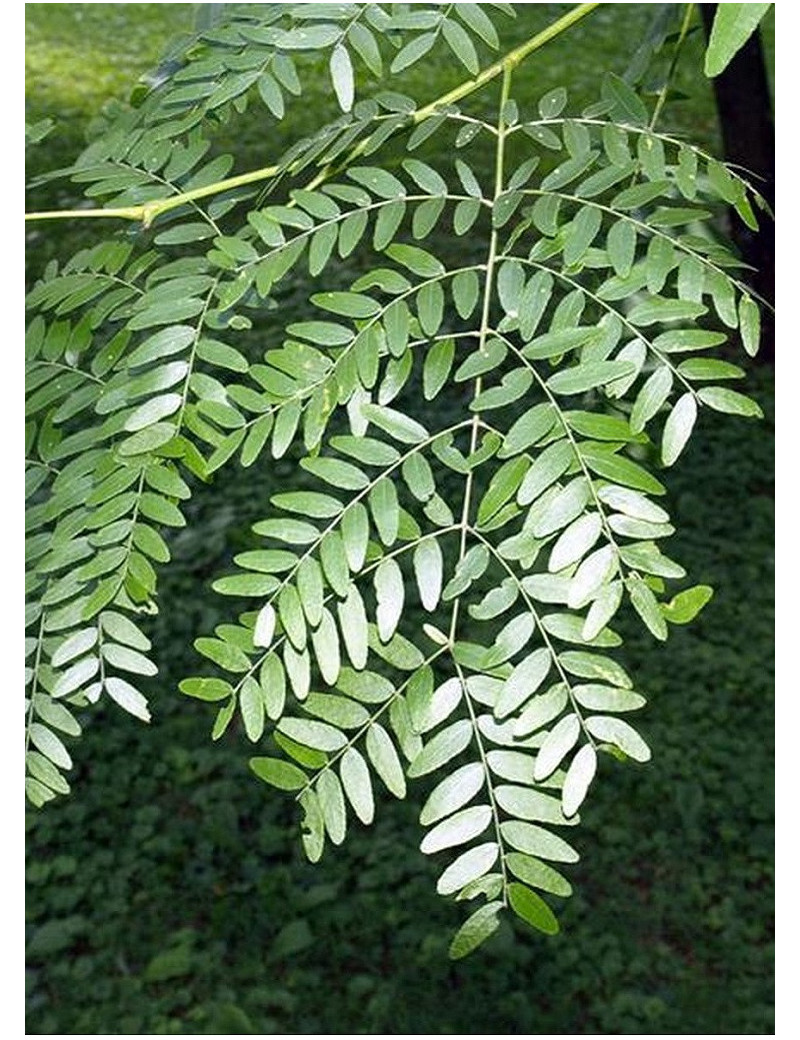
x=572 y=314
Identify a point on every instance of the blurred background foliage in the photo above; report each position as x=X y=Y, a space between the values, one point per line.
x=168 y=893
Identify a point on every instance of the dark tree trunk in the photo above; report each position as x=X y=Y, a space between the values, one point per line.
x=748 y=134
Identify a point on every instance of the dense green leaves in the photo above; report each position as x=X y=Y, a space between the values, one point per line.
x=429 y=595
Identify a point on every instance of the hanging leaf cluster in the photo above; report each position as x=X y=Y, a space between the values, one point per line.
x=573 y=303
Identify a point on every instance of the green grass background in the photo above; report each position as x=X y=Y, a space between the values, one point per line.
x=168 y=893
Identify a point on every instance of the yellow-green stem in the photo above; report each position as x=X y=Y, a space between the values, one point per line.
x=508 y=62
x=484 y=330
x=662 y=97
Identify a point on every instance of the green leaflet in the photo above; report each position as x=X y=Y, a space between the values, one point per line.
x=291 y=605
x=298 y=665
x=659 y=309
x=650 y=398
x=625 y=99
x=357 y=785
x=595 y=666
x=207 y=689
x=245 y=585
x=127 y=660
x=679 y=340
x=272 y=679
x=399 y=652
x=585 y=226
x=162 y=344
x=293 y=532
x=511 y=638
x=551 y=464
x=621 y=470
x=554 y=344
x=525 y=679
x=556 y=510
x=401 y=427
x=45 y=741
x=56 y=715
x=529 y=428
x=428 y=707
x=436 y=370
x=251 y=706
x=348 y=304
x=646 y=605
x=128 y=698
x=355 y=535
x=42 y=770
x=606 y=698
x=285 y=775
x=75 y=646
x=332 y=806
x=632 y=503
x=568 y=171
x=339 y=711
x=684 y=607
x=226 y=655
x=430 y=307
x=466 y=284
x=646 y=556
x=475 y=930
x=558 y=743
x=338 y=473
x=532 y=908
x=495 y=602
x=587 y=376
x=678 y=428
x=620 y=734
x=578 y=779
x=733 y=24
x=721 y=399
x=537 y=874
x=354 y=627
x=313 y=826
x=575 y=541
x=416 y=260
x=457 y=829
x=307 y=757
x=341 y=69
x=601 y=610
x=502 y=487
x=452 y=793
x=400 y=719
x=525 y=803
x=441 y=748
x=536 y=841
x=413 y=51
x=385 y=509
x=709 y=368
x=334 y=564
x=152 y=412
x=467 y=868
x=390 y=595
x=318 y=735
x=384 y=758
x=428 y=570
x=749 y=325
x=365 y=686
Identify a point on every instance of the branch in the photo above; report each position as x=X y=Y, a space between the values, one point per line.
x=147 y=212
